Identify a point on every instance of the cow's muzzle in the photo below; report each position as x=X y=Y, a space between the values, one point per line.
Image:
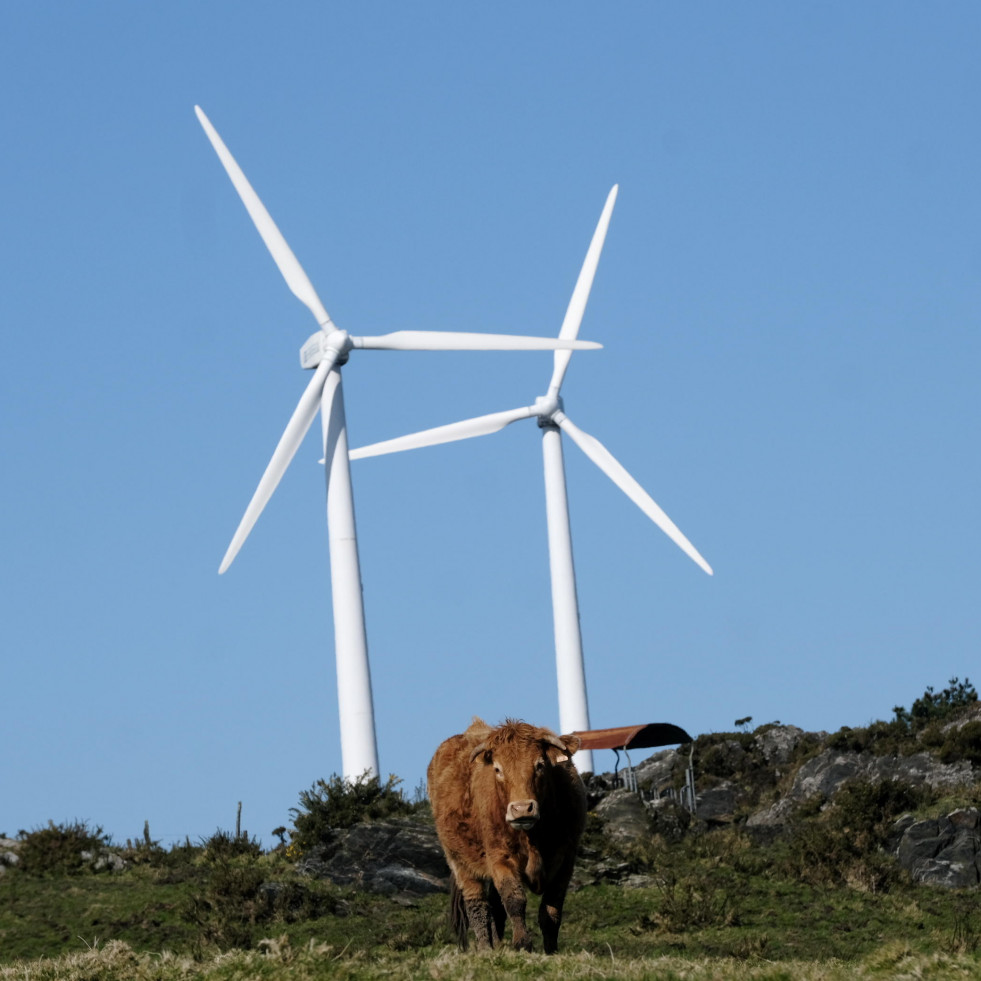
x=523 y=814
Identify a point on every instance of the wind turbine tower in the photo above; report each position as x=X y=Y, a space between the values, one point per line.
x=325 y=352
x=549 y=410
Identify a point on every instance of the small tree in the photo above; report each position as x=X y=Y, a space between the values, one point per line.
x=933 y=706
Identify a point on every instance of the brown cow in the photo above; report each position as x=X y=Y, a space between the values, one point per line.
x=510 y=809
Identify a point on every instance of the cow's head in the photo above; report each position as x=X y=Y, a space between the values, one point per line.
x=519 y=760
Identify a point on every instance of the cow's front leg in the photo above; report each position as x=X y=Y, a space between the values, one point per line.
x=550 y=909
x=477 y=912
x=512 y=895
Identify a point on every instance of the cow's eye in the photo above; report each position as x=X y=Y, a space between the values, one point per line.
x=539 y=765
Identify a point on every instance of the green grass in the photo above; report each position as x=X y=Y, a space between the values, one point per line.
x=824 y=901
x=721 y=909
x=278 y=959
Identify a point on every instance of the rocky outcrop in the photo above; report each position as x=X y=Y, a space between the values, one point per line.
x=827 y=772
x=943 y=852
x=778 y=743
x=8 y=853
x=400 y=855
x=624 y=816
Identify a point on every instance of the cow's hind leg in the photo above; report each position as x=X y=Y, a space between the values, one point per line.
x=498 y=912
x=459 y=921
x=512 y=894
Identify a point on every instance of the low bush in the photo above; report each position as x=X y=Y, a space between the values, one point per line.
x=844 y=842
x=962 y=743
x=241 y=891
x=341 y=803
x=223 y=846
x=61 y=849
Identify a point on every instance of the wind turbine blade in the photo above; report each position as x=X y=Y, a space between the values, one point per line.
x=577 y=304
x=480 y=426
x=613 y=469
x=435 y=340
x=289 y=266
x=289 y=442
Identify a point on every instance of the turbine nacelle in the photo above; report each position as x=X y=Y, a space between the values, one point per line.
x=321 y=346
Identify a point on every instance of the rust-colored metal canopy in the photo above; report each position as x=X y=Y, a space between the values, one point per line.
x=634 y=737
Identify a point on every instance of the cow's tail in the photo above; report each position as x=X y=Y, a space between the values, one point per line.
x=459 y=920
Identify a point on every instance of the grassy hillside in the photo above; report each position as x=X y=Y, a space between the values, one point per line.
x=823 y=900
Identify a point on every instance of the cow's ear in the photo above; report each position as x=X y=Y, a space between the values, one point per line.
x=560 y=748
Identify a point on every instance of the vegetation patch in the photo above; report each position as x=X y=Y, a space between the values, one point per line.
x=340 y=803
x=824 y=900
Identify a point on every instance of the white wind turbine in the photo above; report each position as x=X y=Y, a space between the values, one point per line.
x=548 y=408
x=325 y=351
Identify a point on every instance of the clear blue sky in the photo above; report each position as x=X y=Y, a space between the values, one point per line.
x=789 y=300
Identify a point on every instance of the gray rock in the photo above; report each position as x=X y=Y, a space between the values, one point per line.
x=717 y=803
x=624 y=815
x=638 y=881
x=8 y=853
x=944 y=852
x=392 y=879
x=657 y=772
x=611 y=871
x=105 y=859
x=902 y=823
x=972 y=714
x=964 y=818
x=824 y=774
x=920 y=841
x=772 y=817
x=920 y=768
x=110 y=861
x=963 y=850
x=400 y=855
x=948 y=875
x=778 y=744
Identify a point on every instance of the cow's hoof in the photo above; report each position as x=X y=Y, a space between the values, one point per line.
x=523 y=944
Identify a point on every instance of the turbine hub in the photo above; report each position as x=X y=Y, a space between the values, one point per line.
x=546 y=406
x=337 y=344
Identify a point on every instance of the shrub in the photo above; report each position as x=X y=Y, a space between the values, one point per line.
x=932 y=706
x=844 y=842
x=340 y=803
x=919 y=727
x=61 y=849
x=144 y=850
x=963 y=743
x=229 y=905
x=222 y=846
x=883 y=738
x=236 y=896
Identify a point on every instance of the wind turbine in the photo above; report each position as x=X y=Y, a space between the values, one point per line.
x=549 y=411
x=325 y=351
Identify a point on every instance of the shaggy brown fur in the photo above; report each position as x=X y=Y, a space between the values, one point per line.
x=510 y=809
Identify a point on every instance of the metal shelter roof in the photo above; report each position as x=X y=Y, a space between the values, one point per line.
x=644 y=736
